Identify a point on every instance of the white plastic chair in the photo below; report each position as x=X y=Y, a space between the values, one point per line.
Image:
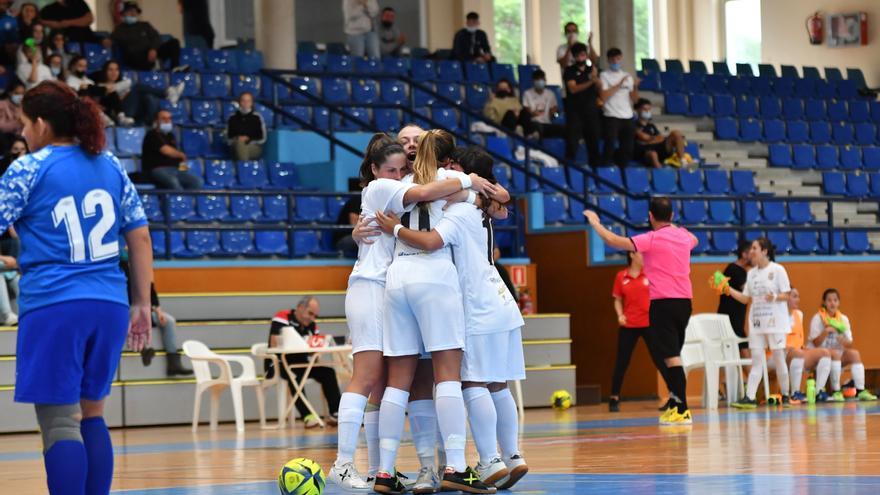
x=720 y=348
x=259 y=352
x=202 y=357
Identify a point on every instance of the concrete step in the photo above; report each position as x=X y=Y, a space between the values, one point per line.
x=743 y=163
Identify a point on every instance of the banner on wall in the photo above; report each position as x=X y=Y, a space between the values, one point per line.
x=850 y=29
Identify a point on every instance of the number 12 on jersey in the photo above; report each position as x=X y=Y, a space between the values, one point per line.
x=65 y=212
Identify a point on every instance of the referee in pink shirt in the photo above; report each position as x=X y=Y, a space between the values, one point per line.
x=667 y=253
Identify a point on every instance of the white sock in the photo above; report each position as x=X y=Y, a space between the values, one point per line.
x=452 y=422
x=423 y=425
x=835 y=376
x=823 y=369
x=858 y=375
x=483 y=420
x=756 y=373
x=781 y=370
x=392 y=414
x=371 y=432
x=508 y=422
x=796 y=371
x=351 y=415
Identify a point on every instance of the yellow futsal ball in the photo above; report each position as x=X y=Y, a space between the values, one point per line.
x=301 y=477
x=560 y=400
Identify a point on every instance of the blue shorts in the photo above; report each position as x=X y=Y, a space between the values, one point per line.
x=69 y=351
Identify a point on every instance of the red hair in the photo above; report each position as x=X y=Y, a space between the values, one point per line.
x=68 y=115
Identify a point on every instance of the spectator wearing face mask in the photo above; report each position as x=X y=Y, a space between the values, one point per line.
x=360 y=31
x=142 y=47
x=56 y=45
x=161 y=159
x=56 y=66
x=78 y=79
x=246 y=130
x=652 y=147
x=618 y=90
x=542 y=104
x=32 y=71
x=391 y=40
x=471 y=43
x=10 y=115
x=129 y=103
x=582 y=114
x=504 y=109
x=564 y=55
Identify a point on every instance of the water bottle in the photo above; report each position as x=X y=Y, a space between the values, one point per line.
x=811 y=391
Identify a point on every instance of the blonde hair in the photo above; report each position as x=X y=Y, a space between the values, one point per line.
x=435 y=146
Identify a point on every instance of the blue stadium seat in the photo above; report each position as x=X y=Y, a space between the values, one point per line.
x=702 y=246
x=871 y=158
x=781 y=241
x=206 y=113
x=672 y=82
x=699 y=105
x=451 y=91
x=365 y=91
x=835 y=246
x=789 y=71
x=859 y=111
x=272 y=242
x=783 y=87
x=423 y=98
x=637 y=210
x=310 y=209
x=692 y=83
x=722 y=243
x=180 y=207
x=804 y=156
x=748 y=213
x=335 y=90
x=717 y=181
x=836 y=110
x=244 y=208
x=749 y=130
x=771 y=107
x=449 y=71
x=715 y=84
x=766 y=71
x=201 y=243
x=215 y=85
x=738 y=85
x=651 y=65
x=387 y=119
x=833 y=183
x=306 y=84
x=556 y=146
x=675 y=104
x=743 y=182
x=726 y=129
x=746 y=107
x=815 y=110
x=761 y=86
x=335 y=204
x=724 y=105
x=155 y=80
x=799 y=212
x=245 y=83
x=772 y=213
x=195 y=142
x=842 y=133
x=805 y=88
x=797 y=131
x=555 y=175
x=249 y=61
x=211 y=209
x=275 y=209
x=856 y=242
x=697 y=67
x=305 y=243
x=152 y=207
x=820 y=132
x=339 y=63
x=252 y=174
x=743 y=69
x=395 y=65
x=875 y=111
x=874 y=192
x=611 y=174
x=236 y=242
x=866 y=134
x=193 y=57
x=857 y=184
x=846 y=90
x=128 y=164
x=219 y=174
x=721 y=212
x=344 y=124
x=479 y=73
x=857 y=76
x=827 y=157
x=96 y=56
x=191 y=87
x=499 y=146
x=301 y=112
x=476 y=96
x=392 y=91
x=446 y=118
x=609 y=205
x=637 y=179
x=803 y=242
x=310 y=63
x=690 y=181
x=850 y=157
x=555 y=210
x=423 y=70
x=664 y=181
x=793 y=108
x=220 y=61
x=780 y=155
x=774 y=131
x=129 y=140
x=693 y=212
x=674 y=65
x=720 y=68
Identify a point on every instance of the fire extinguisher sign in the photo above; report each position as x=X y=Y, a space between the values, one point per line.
x=518 y=275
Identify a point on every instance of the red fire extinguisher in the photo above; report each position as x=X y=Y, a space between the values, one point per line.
x=815 y=28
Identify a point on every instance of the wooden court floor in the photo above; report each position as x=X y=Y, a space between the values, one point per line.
x=829 y=448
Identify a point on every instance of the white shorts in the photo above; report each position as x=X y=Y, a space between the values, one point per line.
x=422 y=316
x=494 y=357
x=772 y=341
x=364 y=309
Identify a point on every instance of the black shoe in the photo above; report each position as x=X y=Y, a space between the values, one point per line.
x=174 y=366
x=386 y=483
x=147 y=355
x=614 y=405
x=468 y=482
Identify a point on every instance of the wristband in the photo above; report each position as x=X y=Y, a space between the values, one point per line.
x=466 y=181
x=472 y=198
x=397 y=230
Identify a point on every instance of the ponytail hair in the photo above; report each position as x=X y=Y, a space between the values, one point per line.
x=435 y=146
x=474 y=160
x=377 y=142
x=66 y=114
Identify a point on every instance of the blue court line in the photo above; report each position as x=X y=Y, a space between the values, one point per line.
x=562 y=427
x=611 y=484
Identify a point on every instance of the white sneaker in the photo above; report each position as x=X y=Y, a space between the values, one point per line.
x=517 y=468
x=493 y=472
x=173 y=92
x=125 y=120
x=108 y=122
x=311 y=421
x=427 y=482
x=10 y=320
x=348 y=478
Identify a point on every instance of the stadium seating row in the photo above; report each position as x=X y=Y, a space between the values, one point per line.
x=798 y=131
x=222 y=61
x=232 y=243
x=854 y=184
x=716 y=84
x=243 y=208
x=650 y=65
x=771 y=107
x=824 y=157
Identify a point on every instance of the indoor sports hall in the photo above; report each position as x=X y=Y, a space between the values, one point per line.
x=718 y=155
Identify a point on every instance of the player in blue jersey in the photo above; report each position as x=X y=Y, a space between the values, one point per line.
x=70 y=202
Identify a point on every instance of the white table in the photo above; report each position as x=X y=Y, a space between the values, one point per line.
x=339 y=354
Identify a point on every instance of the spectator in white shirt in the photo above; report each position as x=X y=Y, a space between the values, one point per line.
x=76 y=75
x=542 y=104
x=564 y=57
x=32 y=71
x=360 y=29
x=618 y=91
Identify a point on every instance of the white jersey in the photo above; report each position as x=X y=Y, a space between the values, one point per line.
x=817 y=328
x=373 y=259
x=424 y=217
x=488 y=305
x=768 y=317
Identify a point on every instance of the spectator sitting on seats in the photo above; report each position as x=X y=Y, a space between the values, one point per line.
x=619 y=90
x=391 y=40
x=302 y=319
x=167 y=325
x=73 y=17
x=246 y=130
x=28 y=15
x=32 y=71
x=56 y=66
x=652 y=147
x=542 y=104
x=132 y=103
x=162 y=161
x=582 y=114
x=504 y=109
x=37 y=39
x=10 y=115
x=17 y=149
x=142 y=47
x=360 y=28
x=564 y=55
x=79 y=80
x=471 y=43
x=57 y=45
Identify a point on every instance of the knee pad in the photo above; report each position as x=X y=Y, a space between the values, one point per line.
x=59 y=423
